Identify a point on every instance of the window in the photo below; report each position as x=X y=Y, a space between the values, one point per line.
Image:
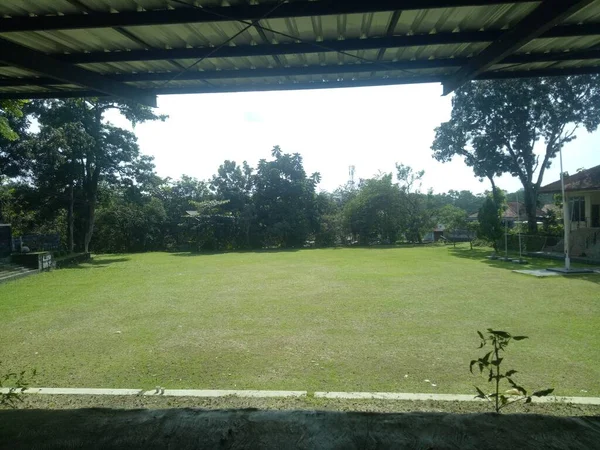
x=577 y=205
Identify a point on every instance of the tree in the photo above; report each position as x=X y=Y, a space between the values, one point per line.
x=496 y=124
x=126 y=225
x=14 y=126
x=208 y=222
x=10 y=109
x=54 y=171
x=418 y=209
x=454 y=219
x=234 y=184
x=177 y=197
x=490 y=220
x=110 y=150
x=373 y=214
x=284 y=198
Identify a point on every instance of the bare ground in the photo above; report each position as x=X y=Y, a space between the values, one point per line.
x=33 y=401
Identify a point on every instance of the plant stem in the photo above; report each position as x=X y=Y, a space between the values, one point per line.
x=497 y=375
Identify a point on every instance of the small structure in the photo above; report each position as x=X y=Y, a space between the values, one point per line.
x=441 y=233
x=514 y=212
x=582 y=204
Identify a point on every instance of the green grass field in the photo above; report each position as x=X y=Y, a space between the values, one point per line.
x=316 y=320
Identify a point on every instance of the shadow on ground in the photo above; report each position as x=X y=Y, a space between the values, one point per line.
x=250 y=428
x=481 y=255
x=292 y=250
x=98 y=263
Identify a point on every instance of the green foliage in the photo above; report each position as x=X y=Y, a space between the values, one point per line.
x=10 y=109
x=464 y=200
x=212 y=227
x=77 y=148
x=128 y=226
x=491 y=229
x=284 y=200
x=495 y=125
x=418 y=210
x=453 y=218
x=373 y=214
x=491 y=364
x=17 y=383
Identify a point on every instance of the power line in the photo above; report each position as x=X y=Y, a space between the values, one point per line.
x=289 y=36
x=223 y=44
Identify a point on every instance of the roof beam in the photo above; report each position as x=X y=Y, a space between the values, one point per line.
x=319 y=70
x=284 y=48
x=25 y=58
x=203 y=89
x=227 y=13
x=254 y=73
x=548 y=14
x=376 y=43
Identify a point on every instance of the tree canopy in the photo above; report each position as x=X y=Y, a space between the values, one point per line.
x=495 y=126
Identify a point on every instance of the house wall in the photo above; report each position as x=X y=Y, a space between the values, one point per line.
x=591 y=198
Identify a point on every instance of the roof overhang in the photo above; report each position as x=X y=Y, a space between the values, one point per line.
x=137 y=50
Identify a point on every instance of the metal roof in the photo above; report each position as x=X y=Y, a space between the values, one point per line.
x=137 y=49
x=586 y=180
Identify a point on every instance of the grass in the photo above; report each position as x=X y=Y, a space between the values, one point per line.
x=317 y=320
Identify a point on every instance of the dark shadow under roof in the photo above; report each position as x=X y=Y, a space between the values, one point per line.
x=139 y=49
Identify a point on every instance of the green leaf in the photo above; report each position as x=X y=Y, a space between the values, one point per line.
x=510 y=373
x=480 y=393
x=520 y=338
x=502 y=334
x=497 y=362
x=472 y=364
x=543 y=393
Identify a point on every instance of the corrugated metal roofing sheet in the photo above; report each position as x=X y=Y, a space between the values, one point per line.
x=492 y=17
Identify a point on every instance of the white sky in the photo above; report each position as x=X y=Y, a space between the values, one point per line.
x=370 y=128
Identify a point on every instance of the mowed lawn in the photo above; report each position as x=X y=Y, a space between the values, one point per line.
x=316 y=320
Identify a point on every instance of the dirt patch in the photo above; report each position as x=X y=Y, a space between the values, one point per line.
x=33 y=401
x=264 y=429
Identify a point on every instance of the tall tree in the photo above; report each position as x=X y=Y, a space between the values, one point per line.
x=234 y=184
x=454 y=219
x=418 y=208
x=490 y=219
x=374 y=212
x=496 y=124
x=178 y=196
x=284 y=197
x=111 y=148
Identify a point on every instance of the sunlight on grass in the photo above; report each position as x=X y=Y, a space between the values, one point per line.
x=332 y=319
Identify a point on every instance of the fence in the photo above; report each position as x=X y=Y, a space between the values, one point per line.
x=37 y=242
x=529 y=242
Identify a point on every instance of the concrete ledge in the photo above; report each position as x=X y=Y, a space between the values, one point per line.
x=397 y=396
x=445 y=397
x=163 y=392
x=248 y=393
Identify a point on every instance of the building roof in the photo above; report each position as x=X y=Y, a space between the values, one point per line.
x=511 y=212
x=585 y=180
x=137 y=49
